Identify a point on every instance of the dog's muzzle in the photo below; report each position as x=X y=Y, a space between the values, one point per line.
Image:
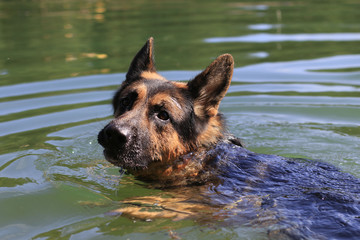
x=122 y=146
x=113 y=137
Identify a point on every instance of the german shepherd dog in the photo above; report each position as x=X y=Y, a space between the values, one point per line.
x=172 y=136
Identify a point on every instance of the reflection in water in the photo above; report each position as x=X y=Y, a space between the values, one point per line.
x=269 y=37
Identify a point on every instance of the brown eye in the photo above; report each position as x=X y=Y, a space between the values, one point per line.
x=163 y=115
x=125 y=102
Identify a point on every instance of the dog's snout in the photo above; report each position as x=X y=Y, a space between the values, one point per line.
x=113 y=136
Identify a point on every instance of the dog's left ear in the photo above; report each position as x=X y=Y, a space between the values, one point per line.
x=143 y=61
x=209 y=87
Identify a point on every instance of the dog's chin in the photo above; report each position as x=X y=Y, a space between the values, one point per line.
x=124 y=161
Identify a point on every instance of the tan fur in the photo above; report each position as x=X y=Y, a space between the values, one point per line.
x=152 y=75
x=201 y=112
x=151 y=53
x=141 y=90
x=211 y=134
x=180 y=85
x=169 y=102
x=168 y=146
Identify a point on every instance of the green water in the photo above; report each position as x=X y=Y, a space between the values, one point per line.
x=295 y=92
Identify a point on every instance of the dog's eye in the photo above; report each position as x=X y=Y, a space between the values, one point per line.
x=163 y=115
x=125 y=102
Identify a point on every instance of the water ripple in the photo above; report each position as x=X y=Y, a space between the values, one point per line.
x=61 y=100
x=54 y=119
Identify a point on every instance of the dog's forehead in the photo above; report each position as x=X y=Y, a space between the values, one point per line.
x=154 y=84
x=159 y=91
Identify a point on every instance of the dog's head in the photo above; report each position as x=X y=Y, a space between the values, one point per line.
x=156 y=120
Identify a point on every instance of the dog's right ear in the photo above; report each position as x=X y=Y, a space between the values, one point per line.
x=143 y=61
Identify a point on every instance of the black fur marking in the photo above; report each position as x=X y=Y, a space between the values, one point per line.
x=143 y=61
x=123 y=102
x=158 y=86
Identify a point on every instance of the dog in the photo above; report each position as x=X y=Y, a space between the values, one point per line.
x=171 y=135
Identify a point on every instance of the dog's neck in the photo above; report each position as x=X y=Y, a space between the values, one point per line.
x=188 y=169
x=197 y=167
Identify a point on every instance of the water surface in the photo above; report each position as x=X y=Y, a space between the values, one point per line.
x=295 y=92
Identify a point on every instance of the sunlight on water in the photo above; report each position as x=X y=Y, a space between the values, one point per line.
x=263 y=26
x=278 y=37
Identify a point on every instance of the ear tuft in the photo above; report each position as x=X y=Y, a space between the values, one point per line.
x=143 y=61
x=209 y=87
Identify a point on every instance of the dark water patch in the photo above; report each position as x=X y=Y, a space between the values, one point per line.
x=338 y=70
x=13 y=182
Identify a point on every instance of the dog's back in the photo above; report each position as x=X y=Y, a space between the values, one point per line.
x=302 y=199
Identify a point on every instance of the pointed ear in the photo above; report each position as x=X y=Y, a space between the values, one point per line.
x=209 y=87
x=143 y=61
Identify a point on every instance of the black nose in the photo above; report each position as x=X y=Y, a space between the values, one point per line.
x=113 y=136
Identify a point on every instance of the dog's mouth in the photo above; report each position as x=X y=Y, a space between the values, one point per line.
x=126 y=160
x=111 y=157
x=122 y=148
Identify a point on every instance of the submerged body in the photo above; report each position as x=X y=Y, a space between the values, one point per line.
x=171 y=135
x=301 y=198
